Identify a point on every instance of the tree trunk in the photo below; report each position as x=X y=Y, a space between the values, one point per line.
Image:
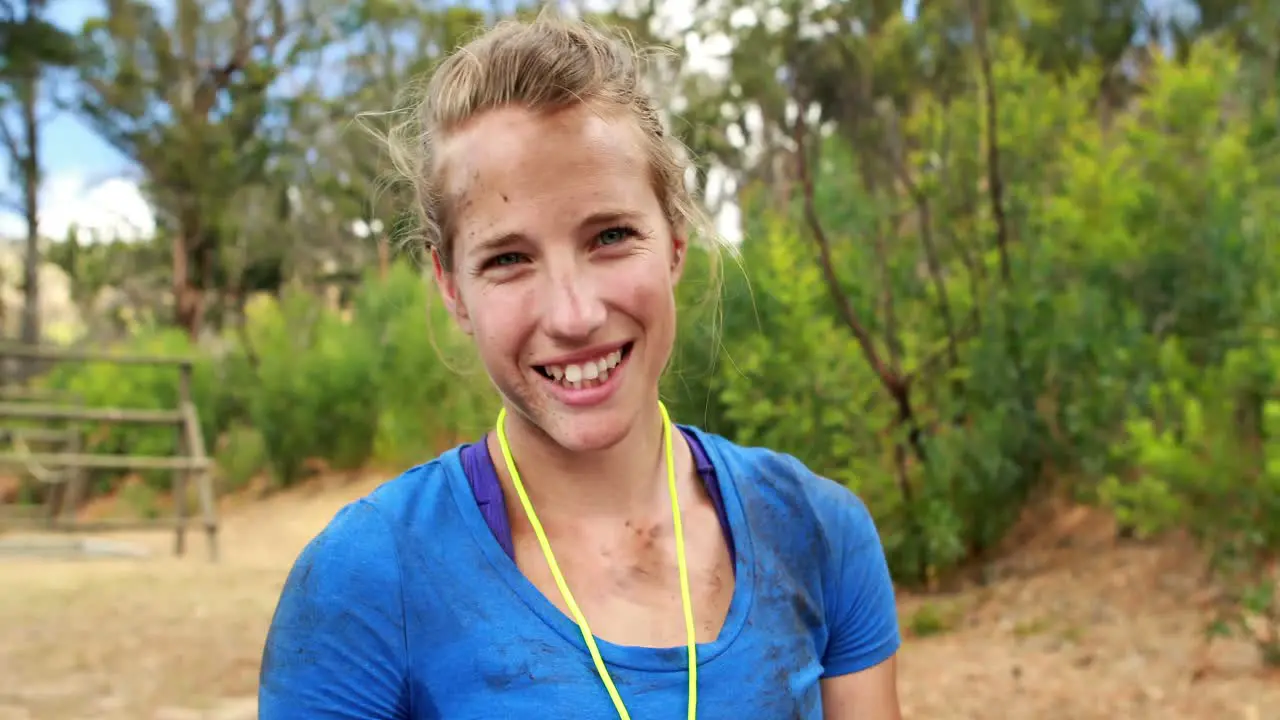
x=187 y=296
x=31 y=197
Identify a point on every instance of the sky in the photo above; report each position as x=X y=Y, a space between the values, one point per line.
x=90 y=185
x=87 y=183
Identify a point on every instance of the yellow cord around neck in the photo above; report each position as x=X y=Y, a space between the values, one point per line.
x=587 y=636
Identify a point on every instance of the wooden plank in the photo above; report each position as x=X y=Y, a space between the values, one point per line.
x=38 y=434
x=102 y=462
x=21 y=512
x=204 y=480
x=54 y=479
x=180 y=478
x=25 y=411
x=49 y=352
x=44 y=544
x=194 y=442
x=77 y=482
x=100 y=525
x=18 y=392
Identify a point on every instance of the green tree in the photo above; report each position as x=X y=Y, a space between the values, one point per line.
x=31 y=47
x=194 y=101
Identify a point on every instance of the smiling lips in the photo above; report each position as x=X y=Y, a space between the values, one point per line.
x=586 y=373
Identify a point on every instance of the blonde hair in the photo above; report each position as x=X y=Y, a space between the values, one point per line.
x=548 y=63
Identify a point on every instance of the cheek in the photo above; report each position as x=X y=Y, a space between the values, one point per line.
x=500 y=319
x=645 y=289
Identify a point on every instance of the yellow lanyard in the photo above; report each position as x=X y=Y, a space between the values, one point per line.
x=564 y=587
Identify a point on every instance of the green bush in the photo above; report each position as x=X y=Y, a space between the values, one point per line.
x=1205 y=457
x=390 y=381
x=141 y=387
x=312 y=378
x=241 y=456
x=1122 y=343
x=430 y=387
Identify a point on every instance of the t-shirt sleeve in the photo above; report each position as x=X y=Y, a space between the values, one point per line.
x=862 y=614
x=336 y=649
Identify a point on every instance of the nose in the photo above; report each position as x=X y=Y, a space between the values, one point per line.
x=572 y=307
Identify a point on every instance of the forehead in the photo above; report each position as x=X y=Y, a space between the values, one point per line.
x=513 y=170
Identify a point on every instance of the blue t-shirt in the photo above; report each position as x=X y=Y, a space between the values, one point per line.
x=406 y=606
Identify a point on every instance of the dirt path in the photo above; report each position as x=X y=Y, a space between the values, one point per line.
x=1103 y=634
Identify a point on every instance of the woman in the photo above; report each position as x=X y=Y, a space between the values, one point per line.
x=586 y=559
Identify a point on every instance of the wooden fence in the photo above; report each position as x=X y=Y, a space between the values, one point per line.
x=63 y=468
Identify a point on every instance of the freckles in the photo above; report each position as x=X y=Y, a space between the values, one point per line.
x=504 y=314
x=495 y=341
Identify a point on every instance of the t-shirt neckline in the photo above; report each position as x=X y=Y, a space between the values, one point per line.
x=669 y=659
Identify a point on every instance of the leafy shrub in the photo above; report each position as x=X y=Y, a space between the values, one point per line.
x=140 y=387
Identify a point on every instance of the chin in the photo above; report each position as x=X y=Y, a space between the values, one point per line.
x=588 y=432
x=575 y=429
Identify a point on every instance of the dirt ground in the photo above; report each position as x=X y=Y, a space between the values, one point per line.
x=1080 y=630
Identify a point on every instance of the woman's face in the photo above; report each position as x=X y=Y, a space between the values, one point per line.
x=564 y=267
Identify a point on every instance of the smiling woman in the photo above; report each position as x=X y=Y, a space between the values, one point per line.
x=563 y=256
x=588 y=558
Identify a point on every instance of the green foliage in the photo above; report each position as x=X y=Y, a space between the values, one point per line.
x=31 y=43
x=305 y=382
x=707 y=306
x=141 y=387
x=241 y=456
x=371 y=385
x=313 y=383
x=1127 y=350
x=1205 y=456
x=430 y=385
x=934 y=618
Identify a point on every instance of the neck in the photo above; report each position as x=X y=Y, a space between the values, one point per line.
x=621 y=480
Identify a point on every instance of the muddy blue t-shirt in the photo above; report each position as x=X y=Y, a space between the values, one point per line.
x=407 y=606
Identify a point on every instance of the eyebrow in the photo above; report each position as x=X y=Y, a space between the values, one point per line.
x=597 y=219
x=494 y=244
x=607 y=217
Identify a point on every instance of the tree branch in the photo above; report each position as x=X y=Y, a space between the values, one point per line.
x=896 y=153
x=10 y=142
x=995 y=182
x=845 y=308
x=896 y=385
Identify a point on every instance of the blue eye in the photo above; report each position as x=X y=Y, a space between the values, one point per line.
x=615 y=235
x=505 y=259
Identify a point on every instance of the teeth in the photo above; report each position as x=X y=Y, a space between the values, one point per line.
x=575 y=375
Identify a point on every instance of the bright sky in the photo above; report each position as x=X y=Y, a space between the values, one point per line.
x=90 y=185
x=86 y=180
